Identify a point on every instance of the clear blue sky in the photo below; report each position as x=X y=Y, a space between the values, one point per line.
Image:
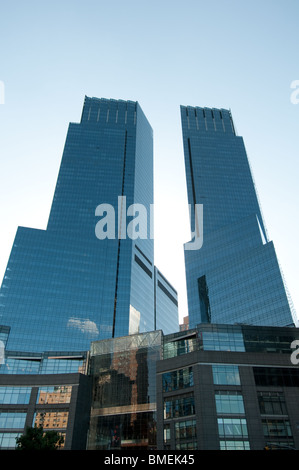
x=233 y=54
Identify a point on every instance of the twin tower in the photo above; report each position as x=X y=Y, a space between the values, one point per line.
x=91 y=274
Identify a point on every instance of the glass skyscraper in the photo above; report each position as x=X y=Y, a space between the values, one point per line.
x=234 y=276
x=90 y=275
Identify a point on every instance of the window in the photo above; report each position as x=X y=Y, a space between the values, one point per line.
x=55 y=394
x=185 y=435
x=223 y=341
x=185 y=430
x=232 y=427
x=276 y=376
x=177 y=407
x=272 y=403
x=52 y=419
x=12 y=420
x=8 y=440
x=62 y=366
x=229 y=403
x=22 y=366
x=166 y=433
x=177 y=380
x=15 y=395
x=276 y=428
x=234 y=445
x=226 y=375
x=180 y=346
x=186 y=445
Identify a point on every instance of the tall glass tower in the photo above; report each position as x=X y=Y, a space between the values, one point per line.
x=90 y=275
x=233 y=276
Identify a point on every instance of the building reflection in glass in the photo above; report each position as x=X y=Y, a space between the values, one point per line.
x=123 y=412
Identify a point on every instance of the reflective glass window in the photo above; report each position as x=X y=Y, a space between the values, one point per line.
x=178 y=379
x=229 y=403
x=232 y=427
x=223 y=341
x=276 y=428
x=52 y=419
x=226 y=374
x=15 y=395
x=8 y=440
x=177 y=407
x=55 y=394
x=185 y=430
x=272 y=403
x=12 y=420
x=234 y=445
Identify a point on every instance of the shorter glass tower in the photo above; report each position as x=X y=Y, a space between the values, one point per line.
x=234 y=277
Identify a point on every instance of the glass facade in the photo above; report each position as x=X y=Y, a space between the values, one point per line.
x=234 y=277
x=232 y=423
x=275 y=420
x=4 y=333
x=228 y=387
x=223 y=341
x=46 y=363
x=166 y=303
x=90 y=274
x=178 y=344
x=235 y=338
x=123 y=410
x=14 y=395
x=58 y=402
x=179 y=410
